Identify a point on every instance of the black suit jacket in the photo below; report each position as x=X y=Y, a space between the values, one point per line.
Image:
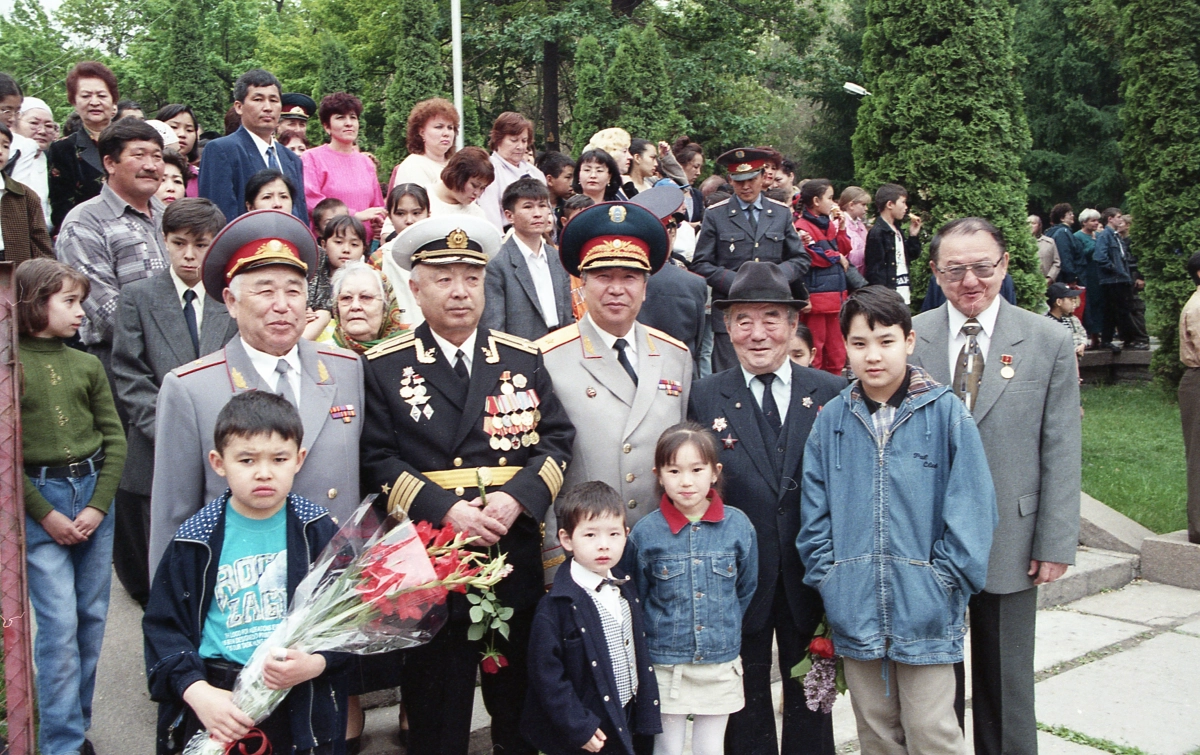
x=675 y=301
x=397 y=450
x=76 y=174
x=772 y=501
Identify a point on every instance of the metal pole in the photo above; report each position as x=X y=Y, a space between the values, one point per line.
x=456 y=46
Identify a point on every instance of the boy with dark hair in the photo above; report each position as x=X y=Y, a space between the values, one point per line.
x=582 y=695
x=560 y=174
x=896 y=453
x=1061 y=218
x=225 y=583
x=887 y=251
x=1062 y=301
x=324 y=210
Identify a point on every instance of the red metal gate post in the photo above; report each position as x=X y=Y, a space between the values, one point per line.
x=14 y=590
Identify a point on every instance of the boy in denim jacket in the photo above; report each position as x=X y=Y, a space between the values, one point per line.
x=587 y=690
x=896 y=521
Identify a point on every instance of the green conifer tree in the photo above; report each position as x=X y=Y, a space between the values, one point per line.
x=1161 y=145
x=419 y=73
x=945 y=120
x=637 y=87
x=336 y=73
x=587 y=116
x=191 y=81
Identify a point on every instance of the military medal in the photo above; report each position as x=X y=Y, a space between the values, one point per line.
x=807 y=402
x=414 y=393
x=519 y=380
x=506 y=388
x=344 y=413
x=729 y=441
x=591 y=392
x=1007 y=371
x=719 y=424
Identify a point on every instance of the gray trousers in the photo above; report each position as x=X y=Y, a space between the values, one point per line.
x=1189 y=414
x=1002 y=637
x=909 y=711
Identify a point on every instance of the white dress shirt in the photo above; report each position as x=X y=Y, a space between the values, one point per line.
x=262 y=150
x=264 y=364
x=198 y=304
x=987 y=322
x=609 y=339
x=781 y=389
x=608 y=596
x=451 y=351
x=539 y=270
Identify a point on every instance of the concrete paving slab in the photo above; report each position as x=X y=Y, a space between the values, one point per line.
x=1066 y=635
x=123 y=717
x=1048 y=744
x=1192 y=628
x=1128 y=698
x=1094 y=571
x=1144 y=603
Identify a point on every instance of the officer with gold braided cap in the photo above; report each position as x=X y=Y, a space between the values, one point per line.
x=453 y=407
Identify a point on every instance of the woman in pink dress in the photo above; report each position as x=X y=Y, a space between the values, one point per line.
x=338 y=169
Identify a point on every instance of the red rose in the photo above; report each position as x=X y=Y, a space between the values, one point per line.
x=822 y=647
x=493 y=663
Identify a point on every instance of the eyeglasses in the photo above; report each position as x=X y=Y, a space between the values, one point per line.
x=981 y=270
x=9 y=110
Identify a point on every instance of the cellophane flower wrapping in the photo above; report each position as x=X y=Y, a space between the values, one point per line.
x=376 y=587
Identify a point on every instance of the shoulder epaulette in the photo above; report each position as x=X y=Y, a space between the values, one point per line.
x=515 y=342
x=333 y=351
x=203 y=363
x=391 y=345
x=722 y=203
x=776 y=201
x=669 y=339
x=556 y=338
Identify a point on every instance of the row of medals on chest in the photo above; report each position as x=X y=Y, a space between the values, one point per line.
x=511 y=417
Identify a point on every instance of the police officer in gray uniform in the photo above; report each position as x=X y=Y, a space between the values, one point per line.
x=747 y=226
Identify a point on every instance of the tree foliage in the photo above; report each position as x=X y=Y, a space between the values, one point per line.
x=418 y=72
x=588 y=115
x=192 y=82
x=945 y=118
x=1161 y=144
x=637 y=90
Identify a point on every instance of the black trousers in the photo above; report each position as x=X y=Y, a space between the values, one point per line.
x=1118 y=313
x=131 y=544
x=437 y=682
x=751 y=731
x=723 y=356
x=1002 y=638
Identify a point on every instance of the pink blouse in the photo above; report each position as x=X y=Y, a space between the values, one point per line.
x=857 y=231
x=349 y=177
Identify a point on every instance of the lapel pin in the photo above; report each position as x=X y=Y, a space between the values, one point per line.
x=1006 y=371
x=807 y=402
x=719 y=425
x=591 y=392
x=729 y=441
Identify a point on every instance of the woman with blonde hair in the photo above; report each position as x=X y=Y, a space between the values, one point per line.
x=854 y=202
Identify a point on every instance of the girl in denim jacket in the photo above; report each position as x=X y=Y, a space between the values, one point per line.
x=696 y=568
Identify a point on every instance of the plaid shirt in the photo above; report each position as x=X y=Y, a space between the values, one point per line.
x=112 y=244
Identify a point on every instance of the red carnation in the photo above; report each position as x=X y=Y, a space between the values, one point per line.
x=822 y=647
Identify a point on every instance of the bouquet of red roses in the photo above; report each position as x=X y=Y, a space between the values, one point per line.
x=821 y=671
x=376 y=587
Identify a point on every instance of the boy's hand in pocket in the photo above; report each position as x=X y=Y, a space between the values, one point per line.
x=214 y=707
x=286 y=670
x=63 y=530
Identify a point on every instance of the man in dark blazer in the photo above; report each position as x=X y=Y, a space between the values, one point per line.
x=1016 y=372
x=453 y=406
x=229 y=162
x=154 y=334
x=761 y=412
x=528 y=290
x=746 y=227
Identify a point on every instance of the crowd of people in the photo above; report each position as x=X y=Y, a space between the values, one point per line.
x=709 y=421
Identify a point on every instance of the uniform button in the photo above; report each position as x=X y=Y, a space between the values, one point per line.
x=630 y=477
x=627 y=448
x=503 y=461
x=459 y=491
x=332 y=493
x=458 y=461
x=755 y=244
x=633 y=504
x=593 y=663
x=780 y=449
x=606 y=698
x=780 y=509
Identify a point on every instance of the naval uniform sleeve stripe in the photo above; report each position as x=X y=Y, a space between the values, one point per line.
x=552 y=476
x=404 y=492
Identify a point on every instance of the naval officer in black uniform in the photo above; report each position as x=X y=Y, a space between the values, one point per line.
x=447 y=404
x=747 y=226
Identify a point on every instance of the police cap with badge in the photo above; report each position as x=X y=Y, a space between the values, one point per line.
x=744 y=163
x=614 y=234
x=258 y=239
x=296 y=106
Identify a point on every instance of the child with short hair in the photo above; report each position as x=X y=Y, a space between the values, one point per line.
x=74 y=451
x=407 y=204
x=887 y=252
x=896 y=519
x=572 y=207
x=1062 y=300
x=343 y=239
x=800 y=346
x=854 y=201
x=591 y=616
x=694 y=543
x=225 y=583
x=327 y=208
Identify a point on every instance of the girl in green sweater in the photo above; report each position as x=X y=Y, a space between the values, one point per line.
x=74 y=450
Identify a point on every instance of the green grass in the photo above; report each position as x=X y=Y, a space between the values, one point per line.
x=1080 y=738
x=1133 y=455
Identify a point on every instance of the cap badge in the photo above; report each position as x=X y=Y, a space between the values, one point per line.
x=457 y=239
x=743 y=168
x=739 y=154
x=616 y=214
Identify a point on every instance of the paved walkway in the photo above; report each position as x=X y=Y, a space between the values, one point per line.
x=1118 y=672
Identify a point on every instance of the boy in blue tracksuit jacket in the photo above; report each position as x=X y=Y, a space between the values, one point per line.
x=896 y=519
x=586 y=690
x=230 y=550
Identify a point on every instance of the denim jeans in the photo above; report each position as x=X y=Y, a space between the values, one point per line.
x=68 y=587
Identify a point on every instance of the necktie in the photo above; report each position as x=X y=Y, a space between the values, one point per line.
x=611 y=581
x=189 y=317
x=272 y=162
x=284 y=386
x=620 y=345
x=968 y=370
x=770 y=409
x=460 y=366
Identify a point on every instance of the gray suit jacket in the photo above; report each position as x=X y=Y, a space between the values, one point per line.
x=150 y=339
x=512 y=303
x=193 y=395
x=1030 y=427
x=618 y=423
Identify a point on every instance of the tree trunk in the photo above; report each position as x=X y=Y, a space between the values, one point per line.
x=550 y=95
x=625 y=7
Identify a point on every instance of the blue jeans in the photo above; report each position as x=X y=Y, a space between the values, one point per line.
x=68 y=587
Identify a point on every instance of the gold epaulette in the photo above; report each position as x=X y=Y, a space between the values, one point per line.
x=556 y=338
x=669 y=339
x=211 y=360
x=391 y=345
x=515 y=342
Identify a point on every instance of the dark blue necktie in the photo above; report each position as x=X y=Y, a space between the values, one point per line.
x=189 y=316
x=272 y=162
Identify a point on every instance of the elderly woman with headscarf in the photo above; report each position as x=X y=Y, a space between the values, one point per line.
x=510 y=140
x=364 y=310
x=36 y=122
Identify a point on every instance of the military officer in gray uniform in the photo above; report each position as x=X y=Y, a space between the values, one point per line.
x=258 y=265
x=622 y=383
x=747 y=226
